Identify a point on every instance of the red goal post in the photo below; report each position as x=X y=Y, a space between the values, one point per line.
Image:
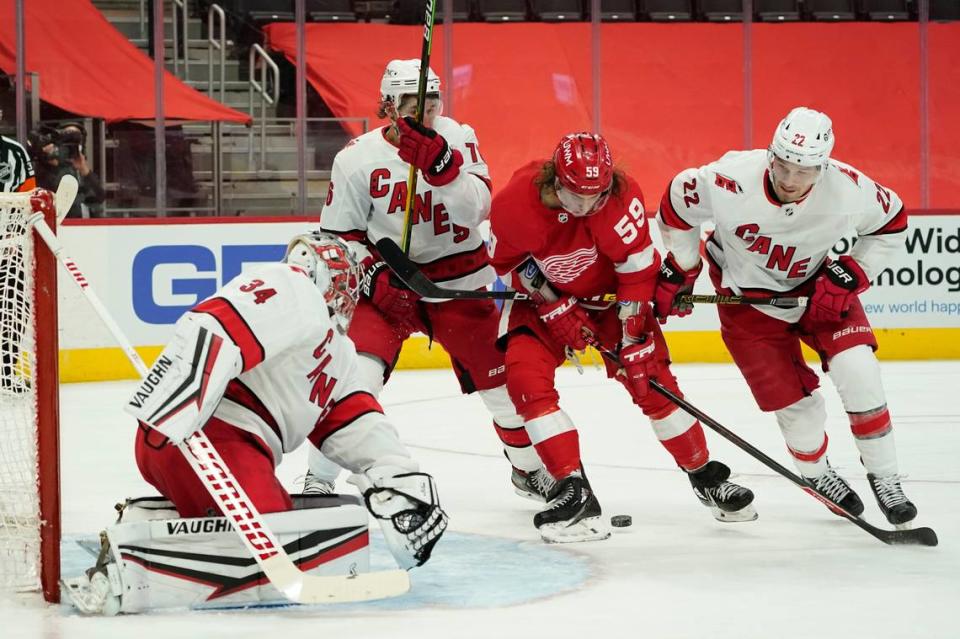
x=29 y=404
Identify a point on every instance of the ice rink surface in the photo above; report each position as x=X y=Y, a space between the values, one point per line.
x=798 y=571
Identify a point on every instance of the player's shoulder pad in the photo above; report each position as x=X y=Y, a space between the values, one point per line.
x=358 y=149
x=453 y=132
x=736 y=171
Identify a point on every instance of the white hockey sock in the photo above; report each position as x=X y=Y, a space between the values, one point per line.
x=510 y=429
x=856 y=374
x=802 y=425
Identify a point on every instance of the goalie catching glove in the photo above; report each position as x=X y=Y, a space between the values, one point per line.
x=408 y=509
x=186 y=382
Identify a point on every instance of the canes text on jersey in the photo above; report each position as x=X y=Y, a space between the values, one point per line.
x=423 y=209
x=780 y=256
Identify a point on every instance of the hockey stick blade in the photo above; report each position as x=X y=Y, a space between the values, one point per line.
x=411 y=275
x=915 y=536
x=65 y=195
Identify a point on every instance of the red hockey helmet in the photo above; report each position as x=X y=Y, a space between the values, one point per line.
x=584 y=168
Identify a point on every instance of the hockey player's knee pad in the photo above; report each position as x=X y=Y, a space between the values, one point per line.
x=530 y=375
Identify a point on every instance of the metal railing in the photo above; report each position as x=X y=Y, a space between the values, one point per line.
x=260 y=61
x=216 y=17
x=175 y=32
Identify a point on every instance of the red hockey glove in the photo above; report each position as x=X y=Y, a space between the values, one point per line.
x=428 y=151
x=566 y=319
x=835 y=288
x=638 y=355
x=388 y=294
x=672 y=282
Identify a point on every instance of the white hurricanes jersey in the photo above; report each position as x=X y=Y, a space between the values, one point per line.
x=763 y=246
x=367 y=198
x=299 y=374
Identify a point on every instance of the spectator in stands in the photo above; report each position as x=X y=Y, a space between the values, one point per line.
x=59 y=152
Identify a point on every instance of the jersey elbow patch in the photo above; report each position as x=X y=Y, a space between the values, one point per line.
x=487 y=181
x=345 y=412
x=638 y=262
x=895 y=224
x=669 y=215
x=251 y=350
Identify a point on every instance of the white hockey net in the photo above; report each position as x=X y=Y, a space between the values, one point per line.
x=21 y=464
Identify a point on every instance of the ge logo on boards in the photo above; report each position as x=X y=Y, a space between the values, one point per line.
x=210 y=274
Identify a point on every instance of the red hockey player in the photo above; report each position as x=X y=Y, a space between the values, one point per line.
x=262 y=366
x=366 y=201
x=777 y=213
x=570 y=230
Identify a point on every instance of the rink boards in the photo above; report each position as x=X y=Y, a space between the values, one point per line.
x=148 y=272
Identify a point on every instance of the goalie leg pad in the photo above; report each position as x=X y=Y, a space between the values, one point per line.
x=407 y=506
x=159 y=561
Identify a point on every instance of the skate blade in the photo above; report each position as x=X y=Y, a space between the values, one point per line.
x=907 y=525
x=528 y=495
x=747 y=513
x=587 y=529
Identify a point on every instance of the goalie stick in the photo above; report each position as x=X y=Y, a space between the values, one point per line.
x=916 y=536
x=229 y=495
x=65 y=195
x=411 y=275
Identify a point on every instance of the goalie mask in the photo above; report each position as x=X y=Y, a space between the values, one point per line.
x=330 y=263
x=584 y=173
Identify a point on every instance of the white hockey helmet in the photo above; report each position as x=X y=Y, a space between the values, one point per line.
x=331 y=264
x=401 y=77
x=804 y=137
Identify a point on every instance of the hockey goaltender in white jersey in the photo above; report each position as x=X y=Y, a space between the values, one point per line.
x=261 y=366
x=777 y=213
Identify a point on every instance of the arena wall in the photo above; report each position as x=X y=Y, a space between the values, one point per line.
x=148 y=272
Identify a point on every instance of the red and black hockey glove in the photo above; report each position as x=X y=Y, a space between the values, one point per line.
x=428 y=151
x=835 y=288
x=638 y=355
x=388 y=294
x=672 y=283
x=566 y=320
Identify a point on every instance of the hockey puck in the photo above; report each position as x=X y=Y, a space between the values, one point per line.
x=621 y=521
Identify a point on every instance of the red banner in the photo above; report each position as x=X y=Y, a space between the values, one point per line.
x=89 y=68
x=672 y=95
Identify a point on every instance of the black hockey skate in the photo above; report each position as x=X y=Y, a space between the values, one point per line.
x=537 y=485
x=727 y=501
x=898 y=510
x=834 y=487
x=573 y=514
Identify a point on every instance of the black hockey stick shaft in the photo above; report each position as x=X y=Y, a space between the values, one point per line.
x=917 y=536
x=411 y=275
x=429 y=15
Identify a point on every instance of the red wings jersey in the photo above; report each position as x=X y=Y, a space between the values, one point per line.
x=296 y=366
x=761 y=245
x=367 y=198
x=609 y=251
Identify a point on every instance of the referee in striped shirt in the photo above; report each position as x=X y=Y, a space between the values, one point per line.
x=16 y=172
x=16 y=176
